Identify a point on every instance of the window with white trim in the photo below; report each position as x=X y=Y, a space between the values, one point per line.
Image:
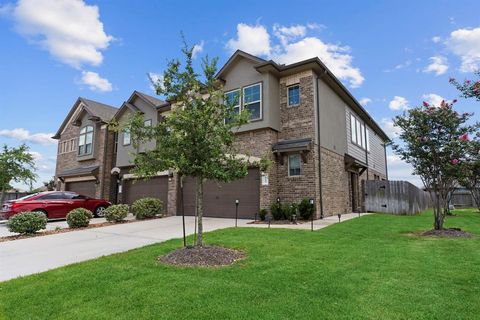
x=252 y=100
x=362 y=136
x=294 y=165
x=293 y=95
x=85 y=141
x=232 y=99
x=367 y=139
x=127 y=139
x=353 y=129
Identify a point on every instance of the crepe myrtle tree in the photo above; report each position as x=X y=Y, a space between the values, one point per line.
x=469 y=88
x=434 y=140
x=196 y=138
x=470 y=170
x=16 y=165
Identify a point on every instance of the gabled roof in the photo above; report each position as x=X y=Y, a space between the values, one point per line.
x=234 y=57
x=103 y=112
x=154 y=102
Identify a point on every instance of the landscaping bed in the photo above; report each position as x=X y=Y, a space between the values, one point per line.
x=279 y=222
x=447 y=233
x=205 y=256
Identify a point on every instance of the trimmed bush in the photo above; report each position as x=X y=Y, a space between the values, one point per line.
x=289 y=210
x=27 y=222
x=305 y=209
x=116 y=212
x=147 y=208
x=277 y=211
x=79 y=218
x=263 y=214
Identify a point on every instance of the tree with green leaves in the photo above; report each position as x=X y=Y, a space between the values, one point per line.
x=469 y=88
x=16 y=165
x=196 y=139
x=50 y=184
x=469 y=176
x=434 y=140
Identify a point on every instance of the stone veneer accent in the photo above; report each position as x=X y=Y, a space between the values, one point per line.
x=102 y=156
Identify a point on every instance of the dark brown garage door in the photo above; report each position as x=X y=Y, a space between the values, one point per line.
x=219 y=198
x=154 y=187
x=87 y=188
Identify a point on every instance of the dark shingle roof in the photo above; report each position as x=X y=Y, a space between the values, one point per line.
x=79 y=171
x=155 y=101
x=98 y=109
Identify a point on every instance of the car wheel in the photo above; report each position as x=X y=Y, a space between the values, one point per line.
x=42 y=211
x=100 y=211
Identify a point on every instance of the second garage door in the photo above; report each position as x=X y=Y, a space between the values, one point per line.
x=86 y=188
x=219 y=198
x=155 y=187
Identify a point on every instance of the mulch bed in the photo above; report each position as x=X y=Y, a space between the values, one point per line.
x=206 y=256
x=447 y=233
x=64 y=230
x=278 y=222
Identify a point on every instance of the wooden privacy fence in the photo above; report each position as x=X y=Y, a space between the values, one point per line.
x=395 y=197
x=14 y=195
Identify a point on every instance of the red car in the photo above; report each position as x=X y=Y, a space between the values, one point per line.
x=55 y=204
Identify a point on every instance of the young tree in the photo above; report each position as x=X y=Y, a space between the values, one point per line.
x=434 y=141
x=16 y=165
x=196 y=138
x=469 y=88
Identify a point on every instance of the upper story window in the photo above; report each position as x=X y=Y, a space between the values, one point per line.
x=147 y=123
x=66 y=146
x=85 y=141
x=252 y=100
x=127 y=139
x=359 y=133
x=232 y=99
x=293 y=95
x=294 y=165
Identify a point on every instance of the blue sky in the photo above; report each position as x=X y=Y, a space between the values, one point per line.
x=390 y=56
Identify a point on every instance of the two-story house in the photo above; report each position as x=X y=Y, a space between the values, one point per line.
x=321 y=141
x=85 y=149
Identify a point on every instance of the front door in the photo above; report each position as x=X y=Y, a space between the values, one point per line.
x=354 y=190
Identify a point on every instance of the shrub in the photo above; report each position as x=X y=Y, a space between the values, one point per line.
x=27 y=222
x=117 y=212
x=263 y=214
x=305 y=209
x=79 y=218
x=289 y=210
x=147 y=208
x=277 y=211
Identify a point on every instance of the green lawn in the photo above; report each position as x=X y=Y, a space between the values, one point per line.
x=367 y=268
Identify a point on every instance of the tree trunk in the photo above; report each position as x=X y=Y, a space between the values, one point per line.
x=200 y=210
x=438 y=212
x=2 y=197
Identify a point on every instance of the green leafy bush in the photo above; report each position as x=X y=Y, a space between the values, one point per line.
x=79 y=218
x=277 y=211
x=263 y=214
x=147 y=208
x=27 y=222
x=289 y=209
x=116 y=212
x=305 y=209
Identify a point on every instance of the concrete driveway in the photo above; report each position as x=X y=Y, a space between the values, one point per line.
x=33 y=255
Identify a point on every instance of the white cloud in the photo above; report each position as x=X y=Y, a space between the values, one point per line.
x=198 y=48
x=252 y=39
x=399 y=170
x=25 y=136
x=294 y=45
x=95 y=82
x=398 y=103
x=155 y=78
x=37 y=156
x=391 y=130
x=365 y=101
x=438 y=65
x=465 y=43
x=399 y=66
x=436 y=39
x=70 y=30
x=433 y=99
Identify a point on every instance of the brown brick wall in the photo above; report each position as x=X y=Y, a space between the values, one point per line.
x=335 y=184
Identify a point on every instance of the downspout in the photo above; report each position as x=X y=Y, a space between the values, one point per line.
x=105 y=146
x=385 y=154
x=319 y=142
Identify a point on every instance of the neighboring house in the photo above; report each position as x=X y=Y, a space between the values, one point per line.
x=85 y=149
x=321 y=141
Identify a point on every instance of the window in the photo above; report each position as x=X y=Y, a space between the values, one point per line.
x=252 y=100
x=147 y=123
x=367 y=138
x=73 y=196
x=294 y=165
x=126 y=137
x=52 y=196
x=293 y=94
x=362 y=136
x=232 y=99
x=353 y=129
x=85 y=141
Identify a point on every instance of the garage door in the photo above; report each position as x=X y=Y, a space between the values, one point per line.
x=219 y=198
x=155 y=187
x=87 y=188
